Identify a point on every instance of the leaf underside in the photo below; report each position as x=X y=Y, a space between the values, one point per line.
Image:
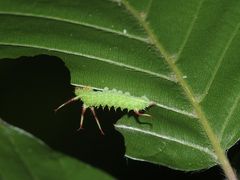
x=103 y=45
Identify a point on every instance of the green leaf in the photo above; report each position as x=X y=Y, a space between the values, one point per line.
x=181 y=54
x=23 y=156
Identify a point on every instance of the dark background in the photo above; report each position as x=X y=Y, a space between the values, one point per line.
x=32 y=87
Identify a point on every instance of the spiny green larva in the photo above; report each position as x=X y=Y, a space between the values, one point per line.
x=108 y=98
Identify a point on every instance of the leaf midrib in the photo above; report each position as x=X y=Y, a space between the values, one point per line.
x=170 y=61
x=203 y=120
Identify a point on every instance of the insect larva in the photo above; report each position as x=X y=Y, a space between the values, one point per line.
x=108 y=98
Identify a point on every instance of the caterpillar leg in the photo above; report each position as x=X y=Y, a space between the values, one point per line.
x=82 y=117
x=64 y=104
x=141 y=114
x=97 y=121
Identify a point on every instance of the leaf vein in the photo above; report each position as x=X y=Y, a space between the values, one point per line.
x=162 y=76
x=189 y=31
x=100 y=28
x=231 y=111
x=219 y=62
x=169 y=138
x=148 y=8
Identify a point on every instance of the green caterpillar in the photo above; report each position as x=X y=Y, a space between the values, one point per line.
x=108 y=98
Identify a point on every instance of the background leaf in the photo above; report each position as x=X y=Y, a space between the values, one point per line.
x=103 y=44
x=23 y=156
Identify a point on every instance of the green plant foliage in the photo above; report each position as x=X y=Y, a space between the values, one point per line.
x=23 y=156
x=104 y=44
